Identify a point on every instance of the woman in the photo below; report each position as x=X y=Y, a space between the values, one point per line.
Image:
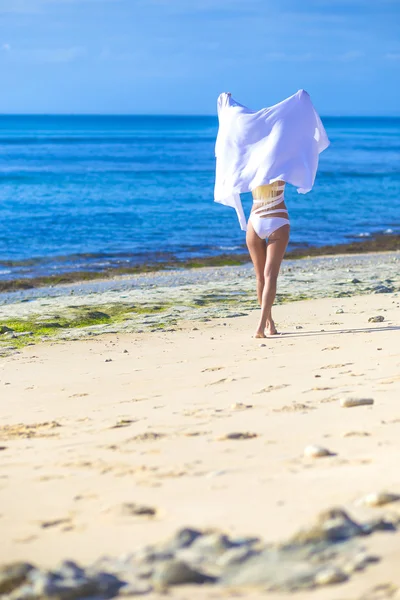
x=261 y=151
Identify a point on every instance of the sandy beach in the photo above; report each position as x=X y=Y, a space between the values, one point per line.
x=116 y=435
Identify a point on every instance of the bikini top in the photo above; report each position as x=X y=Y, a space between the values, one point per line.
x=266 y=197
x=272 y=190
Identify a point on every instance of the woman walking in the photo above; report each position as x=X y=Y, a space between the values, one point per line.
x=261 y=151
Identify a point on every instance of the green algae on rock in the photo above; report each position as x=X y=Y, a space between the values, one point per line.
x=160 y=301
x=37 y=327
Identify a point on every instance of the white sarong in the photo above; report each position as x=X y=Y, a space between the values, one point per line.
x=253 y=148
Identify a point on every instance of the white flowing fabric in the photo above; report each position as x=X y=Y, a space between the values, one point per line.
x=259 y=147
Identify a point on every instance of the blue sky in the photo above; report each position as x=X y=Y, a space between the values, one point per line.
x=176 y=56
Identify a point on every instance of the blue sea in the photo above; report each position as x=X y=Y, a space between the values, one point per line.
x=92 y=192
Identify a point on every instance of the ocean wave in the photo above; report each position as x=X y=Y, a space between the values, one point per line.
x=229 y=248
x=381 y=148
x=371 y=174
x=86 y=175
x=106 y=140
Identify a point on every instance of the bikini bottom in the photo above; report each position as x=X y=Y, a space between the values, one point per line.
x=265 y=226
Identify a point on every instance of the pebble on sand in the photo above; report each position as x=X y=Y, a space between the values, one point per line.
x=329 y=576
x=377 y=319
x=240 y=406
x=378 y=499
x=130 y=508
x=317 y=452
x=177 y=572
x=4 y=329
x=350 y=402
x=12 y=575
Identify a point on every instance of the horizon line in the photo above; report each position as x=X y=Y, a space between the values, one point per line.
x=168 y=115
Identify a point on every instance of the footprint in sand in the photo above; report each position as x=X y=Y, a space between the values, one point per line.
x=339 y=366
x=272 y=388
x=25 y=540
x=50 y=477
x=148 y=436
x=223 y=380
x=87 y=496
x=295 y=407
x=389 y=380
x=356 y=374
x=22 y=430
x=123 y=423
x=196 y=433
x=239 y=435
x=54 y=523
x=330 y=348
x=135 y=400
x=328 y=399
x=194 y=412
x=382 y=591
x=210 y=369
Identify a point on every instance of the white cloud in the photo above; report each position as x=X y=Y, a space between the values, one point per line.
x=392 y=56
x=6 y=47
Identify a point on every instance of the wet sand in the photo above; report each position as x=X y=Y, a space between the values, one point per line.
x=378 y=243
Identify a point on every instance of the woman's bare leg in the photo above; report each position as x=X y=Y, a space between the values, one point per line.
x=276 y=247
x=258 y=254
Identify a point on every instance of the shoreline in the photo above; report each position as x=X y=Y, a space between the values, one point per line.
x=378 y=243
x=166 y=300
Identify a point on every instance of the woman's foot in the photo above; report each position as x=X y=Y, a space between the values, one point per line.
x=260 y=334
x=271 y=329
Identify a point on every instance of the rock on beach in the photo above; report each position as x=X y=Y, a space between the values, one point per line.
x=351 y=402
x=317 y=452
x=378 y=499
